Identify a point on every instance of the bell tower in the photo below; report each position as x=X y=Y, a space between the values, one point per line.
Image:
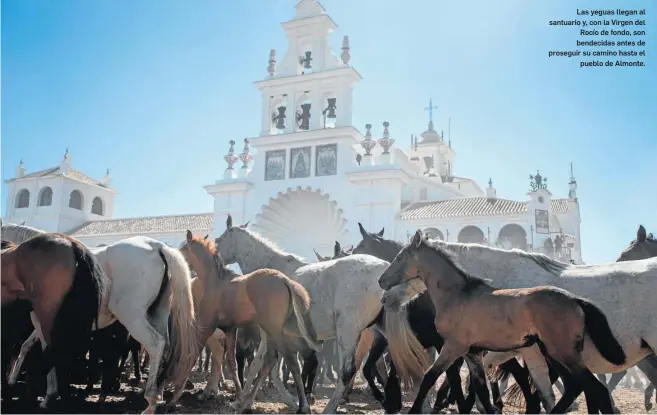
x=310 y=88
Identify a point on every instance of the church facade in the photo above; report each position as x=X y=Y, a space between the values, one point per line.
x=309 y=176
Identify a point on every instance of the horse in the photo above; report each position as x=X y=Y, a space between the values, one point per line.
x=149 y=284
x=65 y=285
x=642 y=247
x=346 y=300
x=265 y=297
x=624 y=291
x=421 y=315
x=474 y=316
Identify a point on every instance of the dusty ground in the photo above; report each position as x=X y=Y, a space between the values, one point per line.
x=130 y=400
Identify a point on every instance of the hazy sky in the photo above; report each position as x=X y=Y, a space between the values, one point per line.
x=155 y=89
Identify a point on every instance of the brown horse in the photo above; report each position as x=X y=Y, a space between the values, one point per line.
x=265 y=297
x=64 y=284
x=472 y=315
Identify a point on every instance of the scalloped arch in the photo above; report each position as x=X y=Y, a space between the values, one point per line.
x=301 y=219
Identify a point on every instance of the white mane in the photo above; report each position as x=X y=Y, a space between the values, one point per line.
x=19 y=233
x=545 y=262
x=271 y=245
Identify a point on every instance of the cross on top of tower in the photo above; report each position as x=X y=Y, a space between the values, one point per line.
x=430 y=108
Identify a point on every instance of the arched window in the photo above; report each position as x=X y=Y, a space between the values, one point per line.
x=45 y=197
x=75 y=200
x=97 y=206
x=23 y=199
x=471 y=235
x=434 y=233
x=512 y=236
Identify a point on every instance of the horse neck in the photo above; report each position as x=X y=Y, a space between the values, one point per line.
x=257 y=254
x=209 y=273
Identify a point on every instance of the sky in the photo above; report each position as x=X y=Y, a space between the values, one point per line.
x=155 y=89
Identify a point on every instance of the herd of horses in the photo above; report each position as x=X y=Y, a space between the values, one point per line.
x=405 y=312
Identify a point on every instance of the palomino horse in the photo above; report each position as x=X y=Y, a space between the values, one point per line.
x=65 y=285
x=264 y=297
x=346 y=300
x=624 y=291
x=471 y=314
x=148 y=283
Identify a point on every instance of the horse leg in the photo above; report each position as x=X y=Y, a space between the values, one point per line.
x=347 y=341
x=215 y=349
x=448 y=355
x=293 y=365
x=135 y=349
x=521 y=376
x=602 y=377
x=309 y=374
x=51 y=379
x=478 y=377
x=647 y=394
x=540 y=373
x=269 y=363
x=378 y=347
x=231 y=342
x=649 y=368
x=151 y=339
x=208 y=356
x=18 y=363
x=573 y=386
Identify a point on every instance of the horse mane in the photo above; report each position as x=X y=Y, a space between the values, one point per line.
x=7 y=244
x=19 y=233
x=471 y=281
x=543 y=261
x=271 y=245
x=208 y=244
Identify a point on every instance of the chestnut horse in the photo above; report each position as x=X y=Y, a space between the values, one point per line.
x=471 y=315
x=265 y=297
x=64 y=283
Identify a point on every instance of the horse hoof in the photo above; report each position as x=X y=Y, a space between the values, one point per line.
x=648 y=406
x=311 y=398
x=303 y=410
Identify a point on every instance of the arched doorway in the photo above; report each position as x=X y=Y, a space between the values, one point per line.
x=434 y=233
x=512 y=236
x=301 y=220
x=471 y=235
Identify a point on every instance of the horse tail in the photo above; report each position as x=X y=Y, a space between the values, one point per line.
x=597 y=327
x=406 y=351
x=183 y=335
x=301 y=309
x=74 y=321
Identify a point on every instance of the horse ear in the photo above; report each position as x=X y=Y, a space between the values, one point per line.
x=229 y=222
x=337 y=249
x=363 y=232
x=189 y=236
x=641 y=234
x=319 y=257
x=206 y=236
x=417 y=238
x=350 y=250
x=245 y=225
x=23 y=223
x=381 y=233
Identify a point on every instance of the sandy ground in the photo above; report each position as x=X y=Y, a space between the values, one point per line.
x=130 y=400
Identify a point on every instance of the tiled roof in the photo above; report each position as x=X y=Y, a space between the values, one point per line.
x=146 y=225
x=471 y=206
x=56 y=171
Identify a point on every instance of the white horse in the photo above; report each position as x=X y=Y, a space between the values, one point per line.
x=345 y=298
x=624 y=291
x=149 y=282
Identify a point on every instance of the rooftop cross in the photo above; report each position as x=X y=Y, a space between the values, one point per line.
x=430 y=108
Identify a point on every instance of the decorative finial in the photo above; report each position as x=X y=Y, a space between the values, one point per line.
x=230 y=157
x=66 y=156
x=368 y=144
x=345 y=56
x=107 y=172
x=490 y=182
x=272 y=62
x=537 y=182
x=572 y=175
x=386 y=142
x=246 y=156
x=21 y=164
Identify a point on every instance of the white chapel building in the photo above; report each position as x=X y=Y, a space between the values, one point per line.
x=309 y=176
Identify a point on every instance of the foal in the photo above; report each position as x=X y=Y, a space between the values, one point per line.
x=472 y=315
x=265 y=297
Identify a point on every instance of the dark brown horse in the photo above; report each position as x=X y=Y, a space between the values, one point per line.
x=471 y=315
x=64 y=284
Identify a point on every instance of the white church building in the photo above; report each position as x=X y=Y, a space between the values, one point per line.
x=309 y=177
